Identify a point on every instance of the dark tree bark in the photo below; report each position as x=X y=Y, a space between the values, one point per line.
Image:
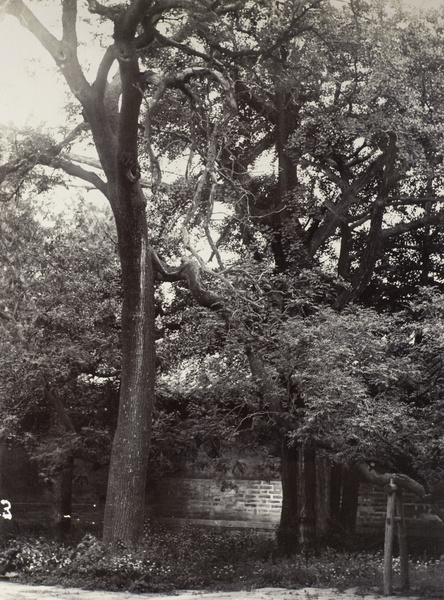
x=343 y=505
x=288 y=531
x=60 y=493
x=60 y=479
x=114 y=129
x=305 y=515
x=349 y=505
x=371 y=252
x=125 y=503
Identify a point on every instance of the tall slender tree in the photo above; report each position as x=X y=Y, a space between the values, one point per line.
x=112 y=109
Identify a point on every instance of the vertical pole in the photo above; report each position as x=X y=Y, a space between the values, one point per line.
x=402 y=540
x=388 y=541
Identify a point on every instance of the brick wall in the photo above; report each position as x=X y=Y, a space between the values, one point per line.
x=237 y=503
x=255 y=503
x=420 y=519
x=252 y=502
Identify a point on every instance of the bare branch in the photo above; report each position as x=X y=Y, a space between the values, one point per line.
x=291 y=32
x=251 y=153
x=247 y=97
x=432 y=219
x=71 y=137
x=111 y=101
x=12 y=167
x=69 y=16
x=162 y=6
x=109 y=12
x=399 y=479
x=27 y=19
x=28 y=162
x=79 y=172
x=100 y=82
x=156 y=172
x=183 y=47
x=188 y=74
x=374 y=238
x=93 y=162
x=64 y=53
x=189 y=271
x=328 y=171
x=213 y=246
x=412 y=200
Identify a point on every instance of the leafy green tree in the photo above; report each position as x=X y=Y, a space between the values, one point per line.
x=381 y=100
x=59 y=293
x=226 y=86
x=111 y=109
x=344 y=107
x=343 y=386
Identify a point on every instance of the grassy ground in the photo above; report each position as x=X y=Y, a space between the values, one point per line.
x=211 y=559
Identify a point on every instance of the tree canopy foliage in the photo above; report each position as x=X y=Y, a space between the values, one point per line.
x=305 y=141
x=60 y=328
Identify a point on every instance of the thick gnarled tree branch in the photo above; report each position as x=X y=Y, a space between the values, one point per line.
x=189 y=272
x=403 y=481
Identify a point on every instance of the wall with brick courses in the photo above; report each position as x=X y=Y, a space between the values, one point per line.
x=240 y=503
x=420 y=520
x=255 y=503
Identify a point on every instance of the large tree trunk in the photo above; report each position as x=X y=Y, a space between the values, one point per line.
x=343 y=505
x=319 y=502
x=112 y=113
x=349 y=506
x=287 y=179
x=305 y=478
x=125 y=502
x=60 y=490
x=297 y=529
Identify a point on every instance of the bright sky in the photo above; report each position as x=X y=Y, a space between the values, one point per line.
x=31 y=92
x=23 y=95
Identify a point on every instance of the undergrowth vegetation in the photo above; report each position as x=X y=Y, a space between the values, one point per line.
x=194 y=558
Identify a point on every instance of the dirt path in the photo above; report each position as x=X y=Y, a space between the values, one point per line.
x=17 y=591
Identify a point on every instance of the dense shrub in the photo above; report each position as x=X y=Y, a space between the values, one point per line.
x=197 y=558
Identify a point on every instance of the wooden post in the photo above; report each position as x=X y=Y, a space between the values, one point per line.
x=402 y=540
x=389 y=534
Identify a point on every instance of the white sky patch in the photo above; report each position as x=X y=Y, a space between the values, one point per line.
x=31 y=91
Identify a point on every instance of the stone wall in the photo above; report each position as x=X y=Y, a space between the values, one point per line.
x=249 y=503
x=255 y=503
x=420 y=520
x=22 y=487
